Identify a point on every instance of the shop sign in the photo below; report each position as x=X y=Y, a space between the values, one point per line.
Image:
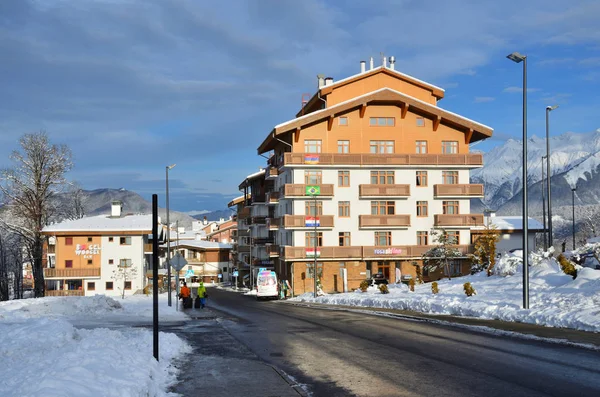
x=87 y=250
x=387 y=251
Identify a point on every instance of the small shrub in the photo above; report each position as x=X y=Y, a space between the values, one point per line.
x=566 y=266
x=411 y=284
x=364 y=285
x=434 y=287
x=469 y=290
x=384 y=289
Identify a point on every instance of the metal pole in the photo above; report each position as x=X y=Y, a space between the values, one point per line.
x=573 y=208
x=549 y=176
x=525 y=212
x=168 y=242
x=316 y=245
x=544 y=205
x=251 y=272
x=155 y=275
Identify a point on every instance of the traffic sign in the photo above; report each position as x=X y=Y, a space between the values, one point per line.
x=235 y=273
x=178 y=262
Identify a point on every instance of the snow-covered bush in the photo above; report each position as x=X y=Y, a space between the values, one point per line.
x=536 y=258
x=364 y=285
x=508 y=265
x=384 y=289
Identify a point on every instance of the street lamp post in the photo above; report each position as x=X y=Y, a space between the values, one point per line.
x=518 y=58
x=573 y=209
x=316 y=245
x=168 y=167
x=544 y=205
x=548 y=172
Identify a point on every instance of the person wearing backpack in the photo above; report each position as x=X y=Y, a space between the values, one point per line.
x=185 y=296
x=202 y=295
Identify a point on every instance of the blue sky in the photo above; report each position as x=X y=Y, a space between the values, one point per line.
x=134 y=85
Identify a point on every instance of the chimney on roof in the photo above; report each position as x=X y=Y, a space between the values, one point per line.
x=383 y=61
x=371 y=64
x=392 y=62
x=205 y=221
x=116 y=207
x=320 y=80
x=328 y=81
x=363 y=65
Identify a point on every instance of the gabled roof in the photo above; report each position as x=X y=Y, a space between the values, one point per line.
x=200 y=244
x=251 y=177
x=382 y=95
x=435 y=90
x=104 y=223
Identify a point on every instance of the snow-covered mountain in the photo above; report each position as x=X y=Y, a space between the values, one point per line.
x=575 y=158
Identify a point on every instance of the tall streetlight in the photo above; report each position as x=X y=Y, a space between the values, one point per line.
x=168 y=167
x=544 y=205
x=518 y=58
x=573 y=208
x=548 y=174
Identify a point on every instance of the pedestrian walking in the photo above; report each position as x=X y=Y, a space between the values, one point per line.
x=202 y=295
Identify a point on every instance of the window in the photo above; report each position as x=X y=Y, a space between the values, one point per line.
x=421 y=147
x=420 y=122
x=344 y=178
x=342 y=120
x=422 y=238
x=90 y=239
x=68 y=240
x=383 y=238
x=344 y=209
x=450 y=177
x=125 y=240
x=344 y=238
x=68 y=263
x=127 y=285
x=382 y=121
x=382 y=207
x=450 y=207
x=343 y=146
x=453 y=236
x=110 y=261
x=191 y=254
x=313 y=177
x=109 y=285
x=312 y=146
x=309 y=239
x=421 y=178
x=310 y=206
x=89 y=261
x=382 y=177
x=91 y=286
x=125 y=263
x=455 y=269
x=110 y=239
x=449 y=147
x=421 y=208
x=382 y=146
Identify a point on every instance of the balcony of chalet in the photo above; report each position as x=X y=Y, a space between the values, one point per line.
x=272 y=198
x=290 y=190
x=384 y=191
x=244 y=213
x=70 y=292
x=362 y=252
x=383 y=221
x=468 y=160
x=458 y=190
x=457 y=220
x=71 y=273
x=273 y=251
x=272 y=172
x=306 y=222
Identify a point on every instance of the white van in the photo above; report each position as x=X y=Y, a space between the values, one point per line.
x=266 y=285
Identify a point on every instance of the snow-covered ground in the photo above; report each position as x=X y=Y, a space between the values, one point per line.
x=44 y=354
x=555 y=299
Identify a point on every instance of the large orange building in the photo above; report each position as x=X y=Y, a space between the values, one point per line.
x=387 y=165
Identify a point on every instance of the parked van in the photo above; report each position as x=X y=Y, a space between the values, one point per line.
x=266 y=285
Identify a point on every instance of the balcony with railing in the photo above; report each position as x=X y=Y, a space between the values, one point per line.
x=322 y=252
x=386 y=191
x=273 y=251
x=469 y=160
x=303 y=221
x=384 y=221
x=273 y=197
x=457 y=220
x=60 y=292
x=258 y=220
x=299 y=190
x=458 y=190
x=244 y=213
x=272 y=172
x=363 y=252
x=148 y=248
x=71 y=273
x=262 y=240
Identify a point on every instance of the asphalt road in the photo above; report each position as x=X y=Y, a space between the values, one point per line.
x=343 y=353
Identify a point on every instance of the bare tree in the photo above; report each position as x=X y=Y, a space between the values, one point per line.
x=28 y=189
x=74 y=208
x=125 y=271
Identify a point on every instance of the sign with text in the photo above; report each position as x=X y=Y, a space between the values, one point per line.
x=87 y=250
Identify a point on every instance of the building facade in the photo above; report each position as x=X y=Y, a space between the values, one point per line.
x=358 y=180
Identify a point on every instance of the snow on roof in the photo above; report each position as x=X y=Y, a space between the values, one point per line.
x=103 y=223
x=259 y=173
x=513 y=223
x=201 y=244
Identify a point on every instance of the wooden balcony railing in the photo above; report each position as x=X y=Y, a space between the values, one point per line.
x=462 y=190
x=273 y=197
x=467 y=159
x=290 y=189
x=60 y=292
x=148 y=248
x=364 y=252
x=273 y=250
x=258 y=220
x=52 y=272
x=301 y=221
x=323 y=252
x=272 y=172
x=244 y=213
x=458 y=220
x=384 y=220
x=274 y=223
x=384 y=190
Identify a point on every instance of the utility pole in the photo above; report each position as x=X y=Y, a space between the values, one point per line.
x=544 y=205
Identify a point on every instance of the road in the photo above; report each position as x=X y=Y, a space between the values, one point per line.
x=344 y=353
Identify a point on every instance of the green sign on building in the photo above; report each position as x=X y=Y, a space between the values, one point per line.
x=313 y=190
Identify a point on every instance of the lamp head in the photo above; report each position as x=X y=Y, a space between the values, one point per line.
x=516 y=57
x=550 y=108
x=170 y=167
